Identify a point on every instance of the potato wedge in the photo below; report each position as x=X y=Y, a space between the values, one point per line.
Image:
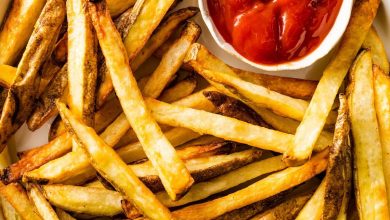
x=43 y=206
x=21 y=97
x=18 y=28
x=171 y=60
x=363 y=14
x=179 y=90
x=257 y=191
x=378 y=50
x=370 y=188
x=382 y=103
x=15 y=194
x=173 y=174
x=109 y=165
x=7 y=75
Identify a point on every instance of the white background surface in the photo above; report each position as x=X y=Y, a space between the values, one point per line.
x=24 y=139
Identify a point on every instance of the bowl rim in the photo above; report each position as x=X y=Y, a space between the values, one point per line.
x=325 y=47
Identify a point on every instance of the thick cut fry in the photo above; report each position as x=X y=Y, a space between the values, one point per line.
x=62 y=215
x=370 y=188
x=363 y=14
x=17 y=197
x=45 y=106
x=43 y=206
x=171 y=61
x=60 y=52
x=315 y=206
x=229 y=180
x=338 y=174
x=221 y=126
x=262 y=189
x=21 y=97
x=17 y=29
x=109 y=165
x=82 y=61
x=162 y=34
x=172 y=172
x=117 y=7
x=297 y=88
x=7 y=75
x=378 y=50
x=8 y=211
x=178 y=91
x=382 y=107
x=87 y=200
x=37 y=157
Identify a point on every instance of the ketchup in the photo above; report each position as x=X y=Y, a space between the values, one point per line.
x=274 y=31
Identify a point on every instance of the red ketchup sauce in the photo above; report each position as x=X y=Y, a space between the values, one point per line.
x=274 y=31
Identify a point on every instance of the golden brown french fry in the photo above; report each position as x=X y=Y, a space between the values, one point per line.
x=7 y=75
x=37 y=157
x=370 y=188
x=262 y=189
x=117 y=7
x=382 y=103
x=221 y=126
x=21 y=97
x=62 y=215
x=87 y=200
x=173 y=174
x=82 y=61
x=17 y=29
x=8 y=210
x=375 y=44
x=43 y=206
x=178 y=91
x=171 y=60
x=314 y=208
x=229 y=180
x=109 y=165
x=60 y=52
x=296 y=88
x=17 y=197
x=363 y=14
x=162 y=34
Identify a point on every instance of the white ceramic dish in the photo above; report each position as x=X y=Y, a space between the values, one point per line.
x=322 y=50
x=24 y=139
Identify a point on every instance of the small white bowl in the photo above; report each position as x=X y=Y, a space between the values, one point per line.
x=328 y=43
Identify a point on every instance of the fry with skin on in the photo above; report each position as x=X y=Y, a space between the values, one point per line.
x=262 y=189
x=382 y=107
x=109 y=165
x=171 y=60
x=17 y=197
x=21 y=96
x=172 y=171
x=370 y=188
x=375 y=44
x=363 y=14
x=17 y=29
x=43 y=206
x=7 y=75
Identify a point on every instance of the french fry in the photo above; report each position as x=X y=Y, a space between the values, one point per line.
x=60 y=52
x=18 y=28
x=17 y=197
x=382 y=103
x=262 y=189
x=7 y=75
x=82 y=61
x=8 y=210
x=229 y=180
x=117 y=7
x=45 y=107
x=162 y=34
x=35 y=158
x=57 y=128
x=21 y=97
x=62 y=215
x=363 y=14
x=296 y=88
x=370 y=188
x=43 y=206
x=375 y=44
x=171 y=169
x=339 y=172
x=87 y=200
x=113 y=169
x=171 y=60
x=178 y=91
x=314 y=208
x=221 y=126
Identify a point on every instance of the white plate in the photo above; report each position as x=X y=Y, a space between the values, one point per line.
x=24 y=139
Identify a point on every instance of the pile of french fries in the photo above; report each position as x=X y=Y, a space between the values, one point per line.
x=193 y=139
